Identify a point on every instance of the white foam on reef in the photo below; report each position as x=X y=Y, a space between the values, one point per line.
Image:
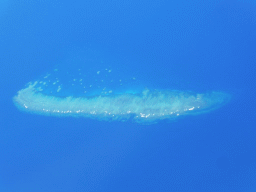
x=145 y=107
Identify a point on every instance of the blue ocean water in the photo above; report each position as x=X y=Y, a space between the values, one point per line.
x=180 y=45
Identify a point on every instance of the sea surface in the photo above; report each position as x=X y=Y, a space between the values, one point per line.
x=107 y=49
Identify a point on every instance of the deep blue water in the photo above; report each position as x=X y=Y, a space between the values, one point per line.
x=181 y=45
